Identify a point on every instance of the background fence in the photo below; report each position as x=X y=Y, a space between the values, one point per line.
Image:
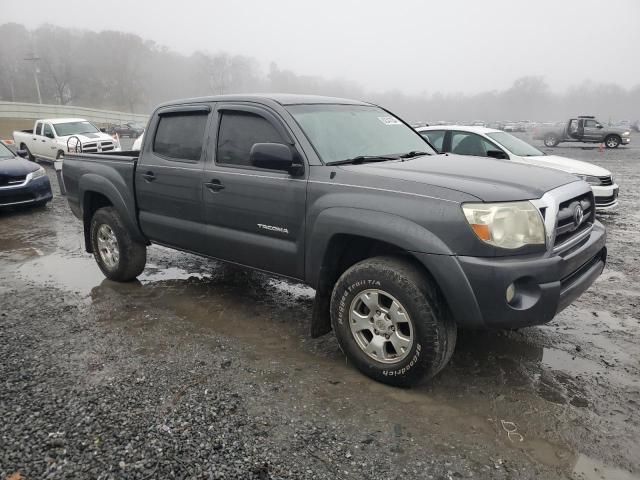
x=18 y=116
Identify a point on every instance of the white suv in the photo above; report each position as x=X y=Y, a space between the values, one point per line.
x=488 y=142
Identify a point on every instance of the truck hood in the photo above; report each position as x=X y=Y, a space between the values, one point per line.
x=487 y=179
x=566 y=165
x=88 y=137
x=17 y=166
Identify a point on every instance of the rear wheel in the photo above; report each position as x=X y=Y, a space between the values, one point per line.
x=612 y=141
x=29 y=154
x=391 y=321
x=119 y=256
x=551 y=140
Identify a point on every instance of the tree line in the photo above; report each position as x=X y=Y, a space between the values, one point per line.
x=122 y=71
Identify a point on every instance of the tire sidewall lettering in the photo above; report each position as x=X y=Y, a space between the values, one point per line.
x=357 y=285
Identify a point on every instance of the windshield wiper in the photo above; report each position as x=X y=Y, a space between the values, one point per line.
x=363 y=159
x=414 y=153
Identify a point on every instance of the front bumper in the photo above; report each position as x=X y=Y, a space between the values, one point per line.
x=606 y=197
x=34 y=191
x=475 y=288
x=626 y=140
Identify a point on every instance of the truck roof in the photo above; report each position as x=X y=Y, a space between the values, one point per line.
x=281 y=98
x=55 y=121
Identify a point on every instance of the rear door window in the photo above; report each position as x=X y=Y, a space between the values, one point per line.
x=466 y=143
x=435 y=137
x=238 y=132
x=38 y=130
x=180 y=136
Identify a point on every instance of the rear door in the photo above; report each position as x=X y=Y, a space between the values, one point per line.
x=37 y=140
x=168 y=177
x=254 y=216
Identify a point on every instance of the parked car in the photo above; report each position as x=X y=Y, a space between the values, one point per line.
x=401 y=244
x=51 y=139
x=585 y=129
x=22 y=182
x=137 y=145
x=489 y=142
x=128 y=129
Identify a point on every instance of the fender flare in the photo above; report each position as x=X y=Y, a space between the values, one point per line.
x=386 y=227
x=94 y=183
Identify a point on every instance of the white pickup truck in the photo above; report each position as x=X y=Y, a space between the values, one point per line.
x=51 y=139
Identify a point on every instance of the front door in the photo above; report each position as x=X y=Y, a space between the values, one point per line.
x=254 y=216
x=169 y=177
x=591 y=131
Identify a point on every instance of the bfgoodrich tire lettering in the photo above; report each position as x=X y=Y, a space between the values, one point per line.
x=433 y=333
x=123 y=259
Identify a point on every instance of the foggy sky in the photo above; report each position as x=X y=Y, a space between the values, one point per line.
x=409 y=45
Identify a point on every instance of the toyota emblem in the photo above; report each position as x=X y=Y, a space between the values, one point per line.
x=578 y=215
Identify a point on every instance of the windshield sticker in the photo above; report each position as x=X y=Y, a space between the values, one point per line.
x=390 y=120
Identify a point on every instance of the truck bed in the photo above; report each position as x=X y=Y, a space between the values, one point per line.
x=112 y=174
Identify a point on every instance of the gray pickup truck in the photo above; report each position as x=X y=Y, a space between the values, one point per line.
x=584 y=129
x=401 y=244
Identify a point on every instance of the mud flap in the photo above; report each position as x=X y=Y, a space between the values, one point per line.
x=321 y=317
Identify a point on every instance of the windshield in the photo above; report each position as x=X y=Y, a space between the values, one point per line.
x=5 y=152
x=74 y=128
x=340 y=132
x=515 y=145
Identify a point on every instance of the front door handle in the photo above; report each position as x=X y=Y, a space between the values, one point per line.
x=214 y=185
x=149 y=176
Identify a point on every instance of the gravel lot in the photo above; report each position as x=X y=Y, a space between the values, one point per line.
x=203 y=370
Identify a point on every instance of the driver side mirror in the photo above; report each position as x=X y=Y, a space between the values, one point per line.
x=275 y=156
x=499 y=154
x=103 y=130
x=21 y=153
x=49 y=135
x=599 y=126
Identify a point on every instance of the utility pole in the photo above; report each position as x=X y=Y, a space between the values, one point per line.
x=36 y=70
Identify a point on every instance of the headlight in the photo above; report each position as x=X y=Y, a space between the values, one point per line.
x=590 y=179
x=627 y=133
x=38 y=173
x=506 y=225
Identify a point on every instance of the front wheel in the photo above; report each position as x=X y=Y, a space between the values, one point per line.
x=391 y=321
x=612 y=141
x=551 y=140
x=119 y=256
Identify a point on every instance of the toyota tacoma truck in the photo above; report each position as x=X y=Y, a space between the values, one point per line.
x=584 y=129
x=52 y=139
x=402 y=244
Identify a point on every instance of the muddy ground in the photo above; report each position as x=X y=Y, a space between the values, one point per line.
x=202 y=370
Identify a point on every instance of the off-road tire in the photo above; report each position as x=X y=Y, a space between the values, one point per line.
x=132 y=254
x=434 y=331
x=551 y=140
x=612 y=141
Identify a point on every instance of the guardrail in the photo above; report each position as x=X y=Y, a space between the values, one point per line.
x=35 y=111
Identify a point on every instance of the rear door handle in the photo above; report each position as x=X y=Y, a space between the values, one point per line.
x=214 y=185
x=149 y=176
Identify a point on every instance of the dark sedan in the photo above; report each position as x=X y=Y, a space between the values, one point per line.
x=22 y=182
x=129 y=129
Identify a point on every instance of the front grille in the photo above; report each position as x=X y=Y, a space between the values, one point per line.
x=92 y=147
x=573 y=276
x=566 y=227
x=10 y=180
x=17 y=198
x=606 y=180
x=606 y=201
